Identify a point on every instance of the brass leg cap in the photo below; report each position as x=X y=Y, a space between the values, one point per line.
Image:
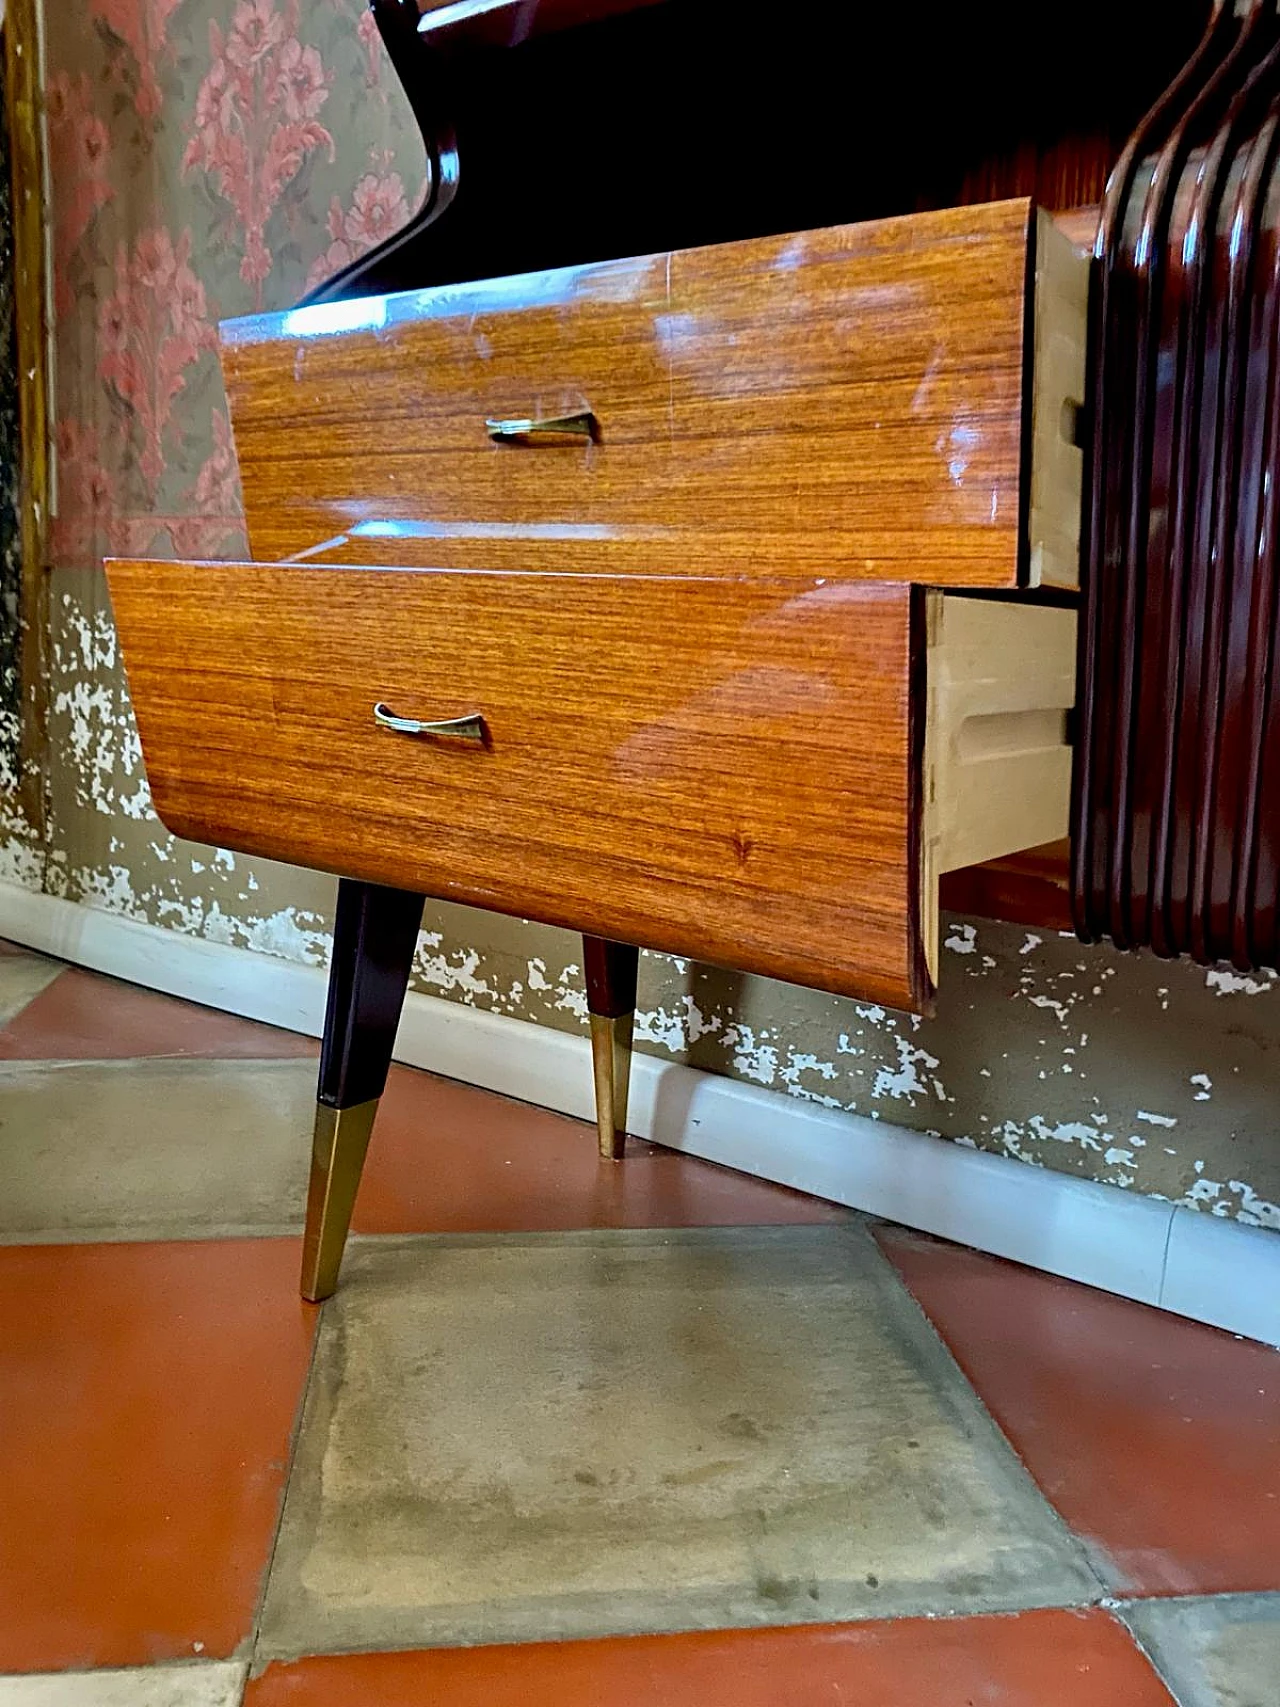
x=337 y=1158
x=611 y=1060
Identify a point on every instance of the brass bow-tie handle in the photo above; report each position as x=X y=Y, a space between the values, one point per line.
x=519 y=428
x=469 y=728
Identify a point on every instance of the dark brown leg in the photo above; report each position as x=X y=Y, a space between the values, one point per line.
x=374 y=936
x=610 y=969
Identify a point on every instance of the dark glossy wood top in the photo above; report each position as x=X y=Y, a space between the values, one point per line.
x=581 y=137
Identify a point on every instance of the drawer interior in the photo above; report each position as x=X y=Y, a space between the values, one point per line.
x=997 y=755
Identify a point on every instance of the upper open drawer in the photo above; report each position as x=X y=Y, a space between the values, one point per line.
x=885 y=401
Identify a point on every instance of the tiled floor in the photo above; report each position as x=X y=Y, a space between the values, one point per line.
x=572 y=1434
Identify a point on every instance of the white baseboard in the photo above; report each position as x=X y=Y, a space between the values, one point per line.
x=1183 y=1260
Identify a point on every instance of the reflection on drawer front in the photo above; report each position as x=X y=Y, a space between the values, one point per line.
x=738 y=771
x=855 y=401
x=721 y=769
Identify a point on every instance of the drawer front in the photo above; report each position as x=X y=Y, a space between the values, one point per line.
x=728 y=770
x=847 y=401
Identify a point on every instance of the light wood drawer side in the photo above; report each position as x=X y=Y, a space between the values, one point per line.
x=997 y=765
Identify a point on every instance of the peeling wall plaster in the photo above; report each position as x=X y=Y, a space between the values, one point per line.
x=1158 y=1077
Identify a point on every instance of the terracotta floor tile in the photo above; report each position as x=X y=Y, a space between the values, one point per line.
x=84 y=1016
x=148 y=1397
x=1158 y=1439
x=447 y=1157
x=1037 y=1659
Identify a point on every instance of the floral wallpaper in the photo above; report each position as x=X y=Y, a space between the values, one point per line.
x=208 y=158
x=213 y=157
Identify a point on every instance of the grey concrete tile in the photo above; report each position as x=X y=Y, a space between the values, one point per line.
x=569 y=1435
x=1218 y=1652
x=153 y=1149
x=22 y=977
x=218 y=1684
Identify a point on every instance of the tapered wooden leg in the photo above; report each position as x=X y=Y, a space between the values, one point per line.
x=611 y=1002
x=374 y=936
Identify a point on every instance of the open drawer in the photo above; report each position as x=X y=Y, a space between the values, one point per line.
x=892 y=400
x=770 y=774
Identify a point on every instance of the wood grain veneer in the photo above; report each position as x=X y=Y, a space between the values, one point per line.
x=723 y=768
x=852 y=401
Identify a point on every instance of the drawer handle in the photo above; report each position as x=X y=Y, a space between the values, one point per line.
x=583 y=425
x=469 y=728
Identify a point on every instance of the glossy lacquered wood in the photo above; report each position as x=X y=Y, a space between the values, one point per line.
x=725 y=769
x=1175 y=798
x=853 y=401
x=375 y=934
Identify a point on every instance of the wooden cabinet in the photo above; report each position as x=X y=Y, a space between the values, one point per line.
x=715 y=602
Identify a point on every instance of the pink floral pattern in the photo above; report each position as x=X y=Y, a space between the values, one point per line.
x=152 y=327
x=142 y=26
x=217 y=488
x=198 y=171
x=256 y=119
x=201 y=537
x=378 y=209
x=371 y=41
x=79 y=160
x=84 y=491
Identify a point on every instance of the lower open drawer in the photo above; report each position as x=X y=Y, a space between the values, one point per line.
x=770 y=775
